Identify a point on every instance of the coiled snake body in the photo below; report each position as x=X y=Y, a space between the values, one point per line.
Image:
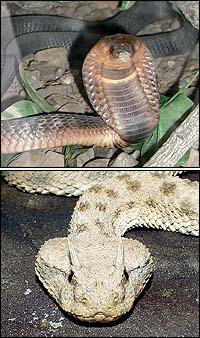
x=118 y=73
x=95 y=274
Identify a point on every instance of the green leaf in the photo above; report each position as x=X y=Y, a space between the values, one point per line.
x=137 y=146
x=173 y=111
x=183 y=159
x=126 y=5
x=71 y=153
x=181 y=91
x=171 y=115
x=33 y=94
x=163 y=99
x=20 y=109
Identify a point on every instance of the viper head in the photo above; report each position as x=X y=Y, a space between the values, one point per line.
x=102 y=292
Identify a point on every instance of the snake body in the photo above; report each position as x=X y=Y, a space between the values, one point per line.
x=120 y=122
x=95 y=274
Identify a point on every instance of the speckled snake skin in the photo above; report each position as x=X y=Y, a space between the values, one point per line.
x=118 y=74
x=95 y=274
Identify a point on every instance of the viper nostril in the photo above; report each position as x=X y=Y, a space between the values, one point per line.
x=99 y=317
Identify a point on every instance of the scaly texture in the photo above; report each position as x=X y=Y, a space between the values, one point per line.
x=120 y=80
x=130 y=118
x=94 y=273
x=119 y=77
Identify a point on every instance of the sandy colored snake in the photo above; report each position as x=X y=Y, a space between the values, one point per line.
x=118 y=74
x=95 y=273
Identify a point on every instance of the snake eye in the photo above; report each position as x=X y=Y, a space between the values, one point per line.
x=71 y=278
x=125 y=276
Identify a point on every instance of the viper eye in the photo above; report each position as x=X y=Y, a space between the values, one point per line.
x=125 y=276
x=71 y=278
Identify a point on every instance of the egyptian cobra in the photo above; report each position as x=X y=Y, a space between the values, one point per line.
x=118 y=74
x=94 y=273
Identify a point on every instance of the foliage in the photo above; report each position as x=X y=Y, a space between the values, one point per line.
x=125 y=5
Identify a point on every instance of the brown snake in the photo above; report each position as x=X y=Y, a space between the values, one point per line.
x=120 y=80
x=118 y=74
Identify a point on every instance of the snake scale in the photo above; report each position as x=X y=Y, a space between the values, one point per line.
x=118 y=74
x=95 y=274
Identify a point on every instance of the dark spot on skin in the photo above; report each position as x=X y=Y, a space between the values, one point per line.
x=151 y=202
x=131 y=205
x=168 y=188
x=191 y=183
x=38 y=178
x=156 y=173
x=111 y=193
x=99 y=224
x=133 y=185
x=101 y=206
x=81 y=227
x=96 y=188
x=102 y=228
x=187 y=209
x=83 y=206
x=123 y=177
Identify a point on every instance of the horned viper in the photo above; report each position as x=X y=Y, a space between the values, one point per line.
x=95 y=273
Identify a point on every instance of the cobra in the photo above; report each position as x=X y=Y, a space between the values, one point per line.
x=118 y=74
